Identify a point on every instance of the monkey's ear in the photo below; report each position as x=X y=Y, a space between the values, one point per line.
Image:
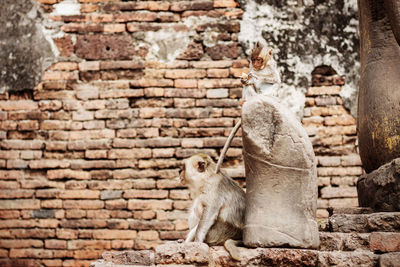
x=201 y=166
x=270 y=52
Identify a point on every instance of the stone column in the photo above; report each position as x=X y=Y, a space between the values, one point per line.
x=281 y=177
x=378 y=120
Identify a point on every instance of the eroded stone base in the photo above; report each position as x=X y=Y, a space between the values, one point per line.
x=351 y=237
x=380 y=189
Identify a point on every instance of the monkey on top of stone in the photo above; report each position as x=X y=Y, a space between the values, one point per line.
x=263 y=77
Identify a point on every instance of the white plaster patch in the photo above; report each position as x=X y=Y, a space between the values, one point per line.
x=289 y=20
x=166 y=45
x=67 y=8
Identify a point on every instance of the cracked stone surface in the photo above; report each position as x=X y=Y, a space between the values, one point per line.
x=24 y=51
x=281 y=177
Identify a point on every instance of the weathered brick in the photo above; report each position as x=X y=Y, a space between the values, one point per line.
x=11 y=105
x=19 y=204
x=129 y=153
x=385 y=242
x=114 y=234
x=334 y=192
x=323 y=90
x=83 y=204
x=146 y=194
x=136 y=204
x=55 y=244
x=79 y=194
x=104 y=47
x=191 y=5
x=48 y=164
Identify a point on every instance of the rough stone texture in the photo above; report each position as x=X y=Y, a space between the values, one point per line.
x=385 y=242
x=343 y=241
x=265 y=257
x=25 y=52
x=314 y=33
x=104 y=47
x=143 y=257
x=380 y=189
x=280 y=170
x=348 y=259
x=364 y=223
x=182 y=253
x=389 y=259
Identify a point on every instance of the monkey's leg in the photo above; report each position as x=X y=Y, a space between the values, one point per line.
x=207 y=220
x=232 y=247
x=227 y=144
x=191 y=234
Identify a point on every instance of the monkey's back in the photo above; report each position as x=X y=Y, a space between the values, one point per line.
x=230 y=221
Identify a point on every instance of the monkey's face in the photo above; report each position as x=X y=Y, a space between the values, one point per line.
x=258 y=63
x=194 y=169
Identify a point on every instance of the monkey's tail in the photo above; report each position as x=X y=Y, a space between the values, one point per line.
x=232 y=247
x=226 y=146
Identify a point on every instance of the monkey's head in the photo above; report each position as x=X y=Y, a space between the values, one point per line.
x=197 y=168
x=260 y=55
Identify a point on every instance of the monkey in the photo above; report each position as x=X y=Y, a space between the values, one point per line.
x=217 y=213
x=263 y=78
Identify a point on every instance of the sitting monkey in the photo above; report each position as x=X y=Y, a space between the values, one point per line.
x=263 y=79
x=217 y=214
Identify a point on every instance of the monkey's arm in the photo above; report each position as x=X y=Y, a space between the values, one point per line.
x=208 y=218
x=227 y=145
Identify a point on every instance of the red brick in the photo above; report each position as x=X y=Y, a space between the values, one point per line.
x=185 y=73
x=55 y=244
x=89 y=244
x=323 y=90
x=384 y=242
x=146 y=194
x=19 y=204
x=9 y=214
x=114 y=234
x=148 y=235
x=152 y=83
x=129 y=153
x=48 y=163
x=83 y=204
x=185 y=83
x=6 y=193
x=51 y=204
x=67 y=234
x=21 y=243
x=218 y=73
x=11 y=174
x=225 y=3
x=136 y=16
x=79 y=194
x=65 y=46
x=136 y=204
x=30 y=253
x=219 y=83
x=191 y=5
x=335 y=192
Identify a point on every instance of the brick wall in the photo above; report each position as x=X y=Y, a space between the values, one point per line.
x=89 y=157
x=333 y=132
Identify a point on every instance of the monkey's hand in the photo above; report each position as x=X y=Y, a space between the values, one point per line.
x=245 y=79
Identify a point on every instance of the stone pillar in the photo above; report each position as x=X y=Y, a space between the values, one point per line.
x=379 y=95
x=281 y=177
x=379 y=104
